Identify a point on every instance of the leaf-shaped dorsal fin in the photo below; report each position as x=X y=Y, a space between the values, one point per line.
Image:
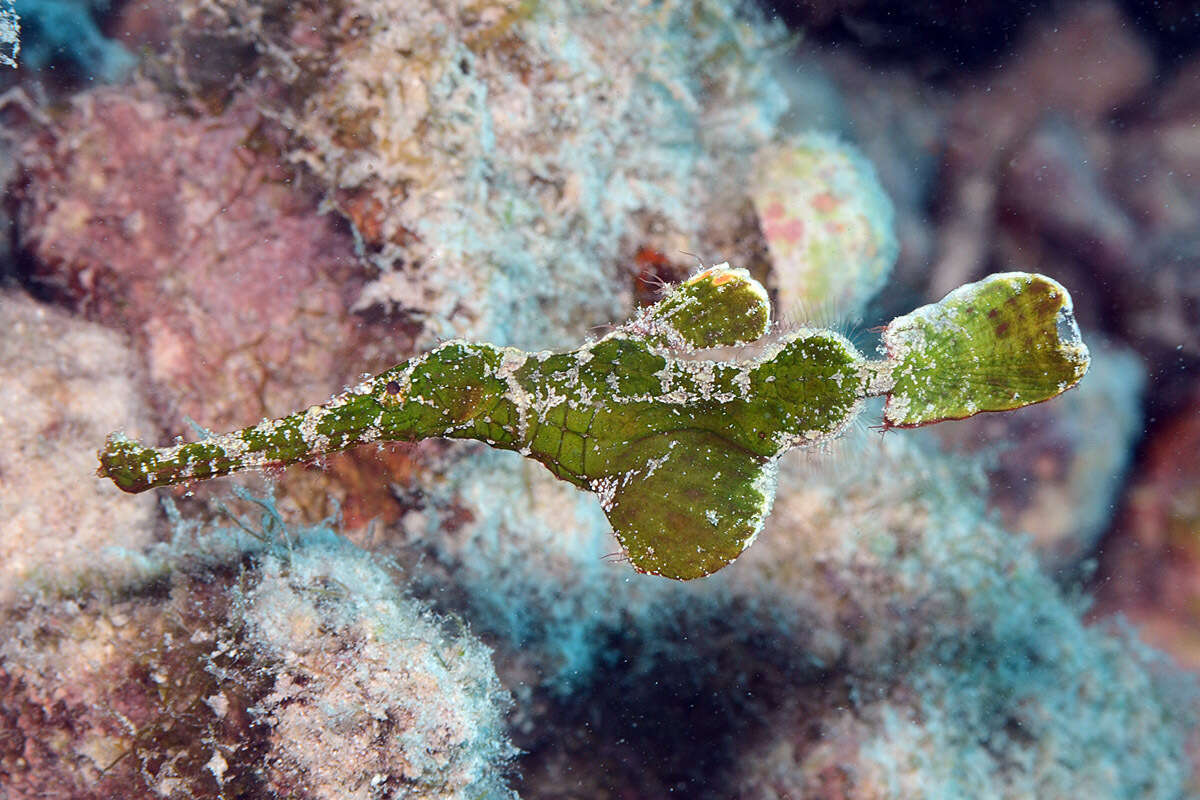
x=719 y=307
x=1001 y=343
x=686 y=503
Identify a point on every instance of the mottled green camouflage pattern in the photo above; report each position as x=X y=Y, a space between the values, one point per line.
x=1003 y=343
x=680 y=448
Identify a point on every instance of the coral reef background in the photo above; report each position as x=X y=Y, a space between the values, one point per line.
x=220 y=210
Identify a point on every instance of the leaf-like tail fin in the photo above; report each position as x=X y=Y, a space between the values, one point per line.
x=1007 y=341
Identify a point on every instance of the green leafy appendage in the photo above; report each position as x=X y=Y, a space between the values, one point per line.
x=679 y=445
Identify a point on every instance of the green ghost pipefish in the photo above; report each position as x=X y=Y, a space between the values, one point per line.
x=679 y=445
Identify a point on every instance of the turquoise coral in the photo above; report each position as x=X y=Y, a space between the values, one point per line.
x=10 y=34
x=68 y=30
x=498 y=156
x=231 y=661
x=680 y=447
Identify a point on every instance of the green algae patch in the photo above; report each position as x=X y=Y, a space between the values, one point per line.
x=1007 y=341
x=679 y=448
